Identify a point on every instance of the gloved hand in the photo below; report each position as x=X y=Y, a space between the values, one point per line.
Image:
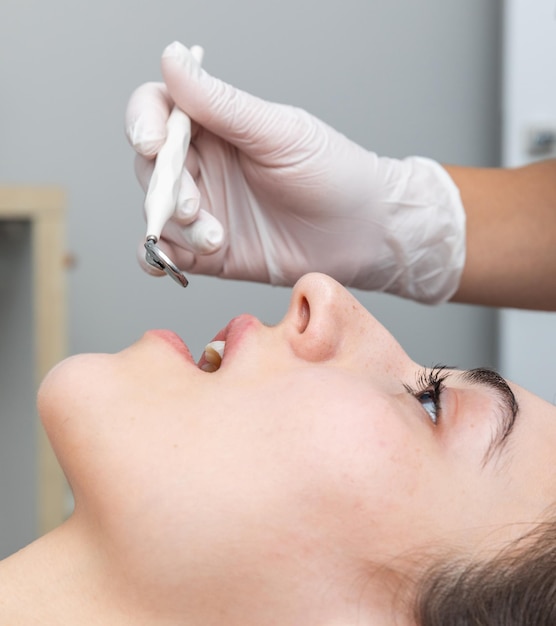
x=280 y=194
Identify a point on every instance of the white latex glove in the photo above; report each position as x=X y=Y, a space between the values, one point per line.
x=293 y=195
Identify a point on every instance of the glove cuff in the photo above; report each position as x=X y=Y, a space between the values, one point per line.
x=426 y=232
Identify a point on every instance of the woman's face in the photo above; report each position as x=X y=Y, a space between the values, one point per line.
x=316 y=446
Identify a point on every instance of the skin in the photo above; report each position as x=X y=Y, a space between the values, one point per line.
x=511 y=235
x=301 y=483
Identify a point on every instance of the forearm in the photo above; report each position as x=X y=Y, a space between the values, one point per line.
x=511 y=235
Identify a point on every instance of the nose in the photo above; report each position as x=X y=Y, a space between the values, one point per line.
x=325 y=322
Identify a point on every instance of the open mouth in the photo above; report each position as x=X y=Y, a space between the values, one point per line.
x=227 y=339
x=212 y=356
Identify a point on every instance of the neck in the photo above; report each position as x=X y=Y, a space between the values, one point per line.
x=58 y=580
x=65 y=578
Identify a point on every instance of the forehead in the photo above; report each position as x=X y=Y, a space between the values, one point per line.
x=532 y=451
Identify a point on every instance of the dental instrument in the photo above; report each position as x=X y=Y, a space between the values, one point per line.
x=162 y=194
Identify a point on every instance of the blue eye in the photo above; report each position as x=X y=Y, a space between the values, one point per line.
x=429 y=391
x=430 y=402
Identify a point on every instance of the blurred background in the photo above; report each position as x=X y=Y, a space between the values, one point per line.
x=398 y=77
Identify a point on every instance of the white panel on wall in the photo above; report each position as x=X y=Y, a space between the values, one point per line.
x=529 y=84
x=528 y=339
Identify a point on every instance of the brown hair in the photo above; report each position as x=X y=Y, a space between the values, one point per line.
x=515 y=588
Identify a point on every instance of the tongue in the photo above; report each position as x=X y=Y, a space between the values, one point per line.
x=214 y=351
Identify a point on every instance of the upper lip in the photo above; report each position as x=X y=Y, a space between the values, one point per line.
x=232 y=334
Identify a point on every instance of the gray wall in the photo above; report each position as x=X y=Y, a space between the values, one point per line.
x=400 y=77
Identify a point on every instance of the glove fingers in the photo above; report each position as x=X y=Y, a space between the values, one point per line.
x=186 y=260
x=143 y=170
x=145 y=119
x=188 y=201
x=251 y=124
x=189 y=197
x=205 y=235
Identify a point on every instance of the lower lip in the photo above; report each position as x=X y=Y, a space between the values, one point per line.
x=173 y=340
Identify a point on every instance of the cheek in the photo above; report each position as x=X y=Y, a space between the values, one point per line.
x=348 y=456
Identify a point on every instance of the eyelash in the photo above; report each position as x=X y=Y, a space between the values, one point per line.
x=430 y=382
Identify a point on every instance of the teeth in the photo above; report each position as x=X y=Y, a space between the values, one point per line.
x=214 y=351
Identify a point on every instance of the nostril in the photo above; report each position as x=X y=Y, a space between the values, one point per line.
x=304 y=315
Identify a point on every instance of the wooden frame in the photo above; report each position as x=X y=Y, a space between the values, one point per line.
x=44 y=208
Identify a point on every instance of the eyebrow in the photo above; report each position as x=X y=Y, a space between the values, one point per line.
x=509 y=407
